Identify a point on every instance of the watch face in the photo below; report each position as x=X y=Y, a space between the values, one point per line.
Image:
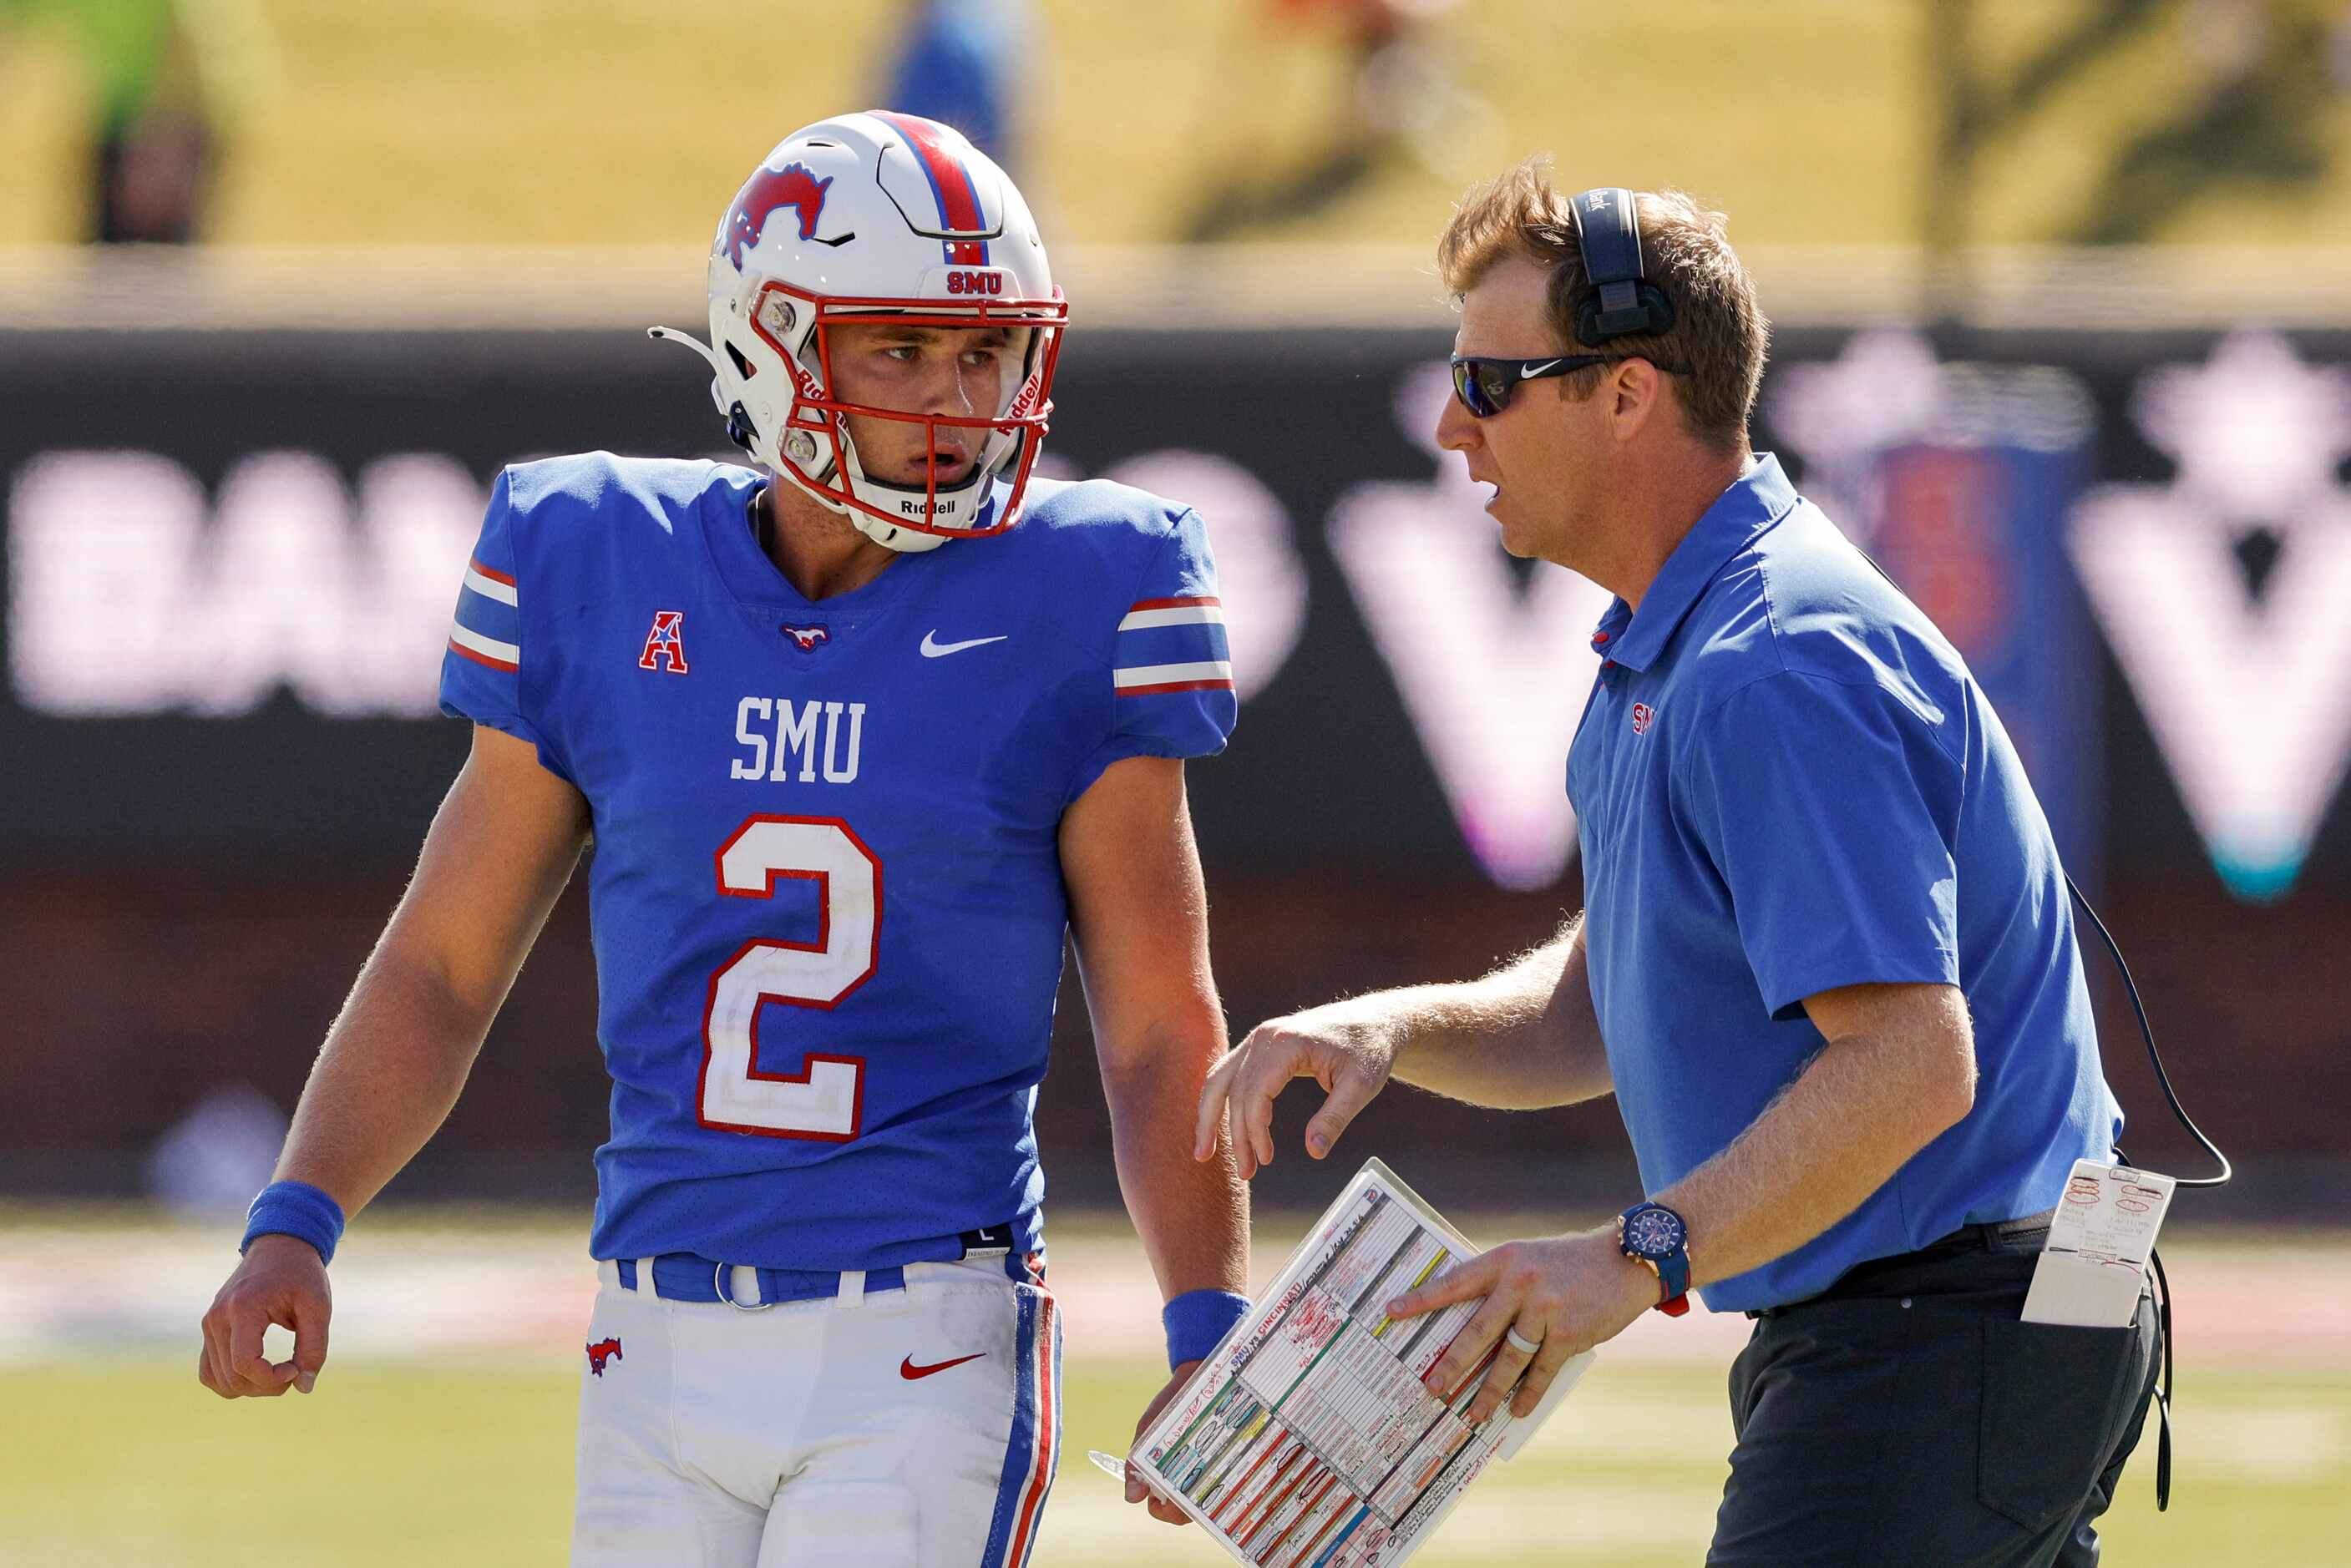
x=1655 y=1233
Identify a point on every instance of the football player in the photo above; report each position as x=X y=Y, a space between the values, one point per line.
x=847 y=790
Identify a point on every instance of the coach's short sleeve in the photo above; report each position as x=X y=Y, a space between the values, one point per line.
x=1170 y=676
x=482 y=668
x=1831 y=813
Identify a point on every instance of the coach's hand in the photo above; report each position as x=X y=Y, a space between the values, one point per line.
x=280 y=1281
x=1137 y=1491
x=1345 y=1046
x=1568 y=1294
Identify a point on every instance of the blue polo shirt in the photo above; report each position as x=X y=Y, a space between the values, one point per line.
x=1786 y=781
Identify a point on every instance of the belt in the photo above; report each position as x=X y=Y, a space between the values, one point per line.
x=749 y=1287
x=1990 y=1236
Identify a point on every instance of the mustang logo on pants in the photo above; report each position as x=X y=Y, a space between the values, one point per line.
x=601 y=1351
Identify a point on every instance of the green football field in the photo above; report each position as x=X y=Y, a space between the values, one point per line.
x=125 y=1461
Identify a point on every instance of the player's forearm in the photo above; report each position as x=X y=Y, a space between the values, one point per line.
x=1857 y=1114
x=390 y=1069
x=1193 y=1216
x=1521 y=1037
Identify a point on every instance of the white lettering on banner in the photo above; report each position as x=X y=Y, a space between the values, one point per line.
x=126 y=586
x=123 y=603
x=2249 y=697
x=1494 y=678
x=102 y=564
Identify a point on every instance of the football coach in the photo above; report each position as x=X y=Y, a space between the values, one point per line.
x=1825 y=962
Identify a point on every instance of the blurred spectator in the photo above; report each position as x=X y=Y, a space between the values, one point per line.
x=1402 y=102
x=163 y=75
x=214 y=1159
x=954 y=63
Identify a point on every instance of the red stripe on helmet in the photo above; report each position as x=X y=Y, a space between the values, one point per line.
x=950 y=180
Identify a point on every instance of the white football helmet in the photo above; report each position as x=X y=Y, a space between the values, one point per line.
x=876 y=217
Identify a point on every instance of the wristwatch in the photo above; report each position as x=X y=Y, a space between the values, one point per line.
x=1654 y=1234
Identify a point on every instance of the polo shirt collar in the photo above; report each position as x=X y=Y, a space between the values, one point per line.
x=1755 y=501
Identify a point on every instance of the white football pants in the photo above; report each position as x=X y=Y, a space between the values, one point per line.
x=904 y=1428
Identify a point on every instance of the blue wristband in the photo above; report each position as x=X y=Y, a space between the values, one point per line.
x=296 y=1208
x=1196 y=1320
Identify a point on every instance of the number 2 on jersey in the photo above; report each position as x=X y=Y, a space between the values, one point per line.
x=825 y=1100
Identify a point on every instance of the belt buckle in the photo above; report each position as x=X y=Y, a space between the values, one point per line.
x=718 y=1284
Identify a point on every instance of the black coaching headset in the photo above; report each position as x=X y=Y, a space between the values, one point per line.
x=1623 y=302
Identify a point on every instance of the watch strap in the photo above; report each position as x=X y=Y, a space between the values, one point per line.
x=1673 y=1275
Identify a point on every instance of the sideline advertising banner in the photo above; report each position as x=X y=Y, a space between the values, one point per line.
x=229 y=559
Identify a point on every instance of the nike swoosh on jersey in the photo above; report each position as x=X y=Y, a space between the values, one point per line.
x=909 y=1371
x=936 y=649
x=1525 y=371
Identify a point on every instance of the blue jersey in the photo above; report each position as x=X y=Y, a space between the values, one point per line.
x=826 y=892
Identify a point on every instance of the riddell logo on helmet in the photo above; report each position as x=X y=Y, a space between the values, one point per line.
x=792 y=186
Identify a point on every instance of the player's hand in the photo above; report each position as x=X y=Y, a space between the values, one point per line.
x=279 y=1281
x=1345 y=1046
x=1567 y=1293
x=1136 y=1491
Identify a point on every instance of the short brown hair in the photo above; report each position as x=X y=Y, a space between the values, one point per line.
x=1719 y=331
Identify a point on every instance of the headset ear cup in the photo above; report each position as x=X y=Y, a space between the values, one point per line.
x=1657 y=317
x=1660 y=308
x=1587 y=322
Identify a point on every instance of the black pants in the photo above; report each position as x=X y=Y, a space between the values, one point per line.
x=1908 y=1417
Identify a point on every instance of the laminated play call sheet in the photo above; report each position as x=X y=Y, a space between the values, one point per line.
x=1307 y=1440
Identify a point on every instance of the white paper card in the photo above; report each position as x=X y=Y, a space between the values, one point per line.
x=1307 y=1438
x=2095 y=1265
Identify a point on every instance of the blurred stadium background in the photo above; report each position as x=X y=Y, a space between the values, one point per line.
x=2063 y=299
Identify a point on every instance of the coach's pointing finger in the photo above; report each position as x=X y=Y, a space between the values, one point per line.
x=1348 y=1050
x=1351 y=1088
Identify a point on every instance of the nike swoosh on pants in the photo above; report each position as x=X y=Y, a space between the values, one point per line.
x=909 y=1371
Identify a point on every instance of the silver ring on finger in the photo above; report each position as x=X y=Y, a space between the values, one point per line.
x=1520 y=1341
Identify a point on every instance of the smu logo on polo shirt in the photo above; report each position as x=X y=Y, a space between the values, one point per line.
x=1643 y=716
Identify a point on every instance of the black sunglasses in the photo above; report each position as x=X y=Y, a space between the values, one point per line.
x=1484 y=385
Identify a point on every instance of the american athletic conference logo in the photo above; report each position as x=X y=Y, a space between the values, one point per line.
x=665 y=643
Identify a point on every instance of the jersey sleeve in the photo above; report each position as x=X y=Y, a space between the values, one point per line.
x=482 y=668
x=1832 y=815
x=1171 y=670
